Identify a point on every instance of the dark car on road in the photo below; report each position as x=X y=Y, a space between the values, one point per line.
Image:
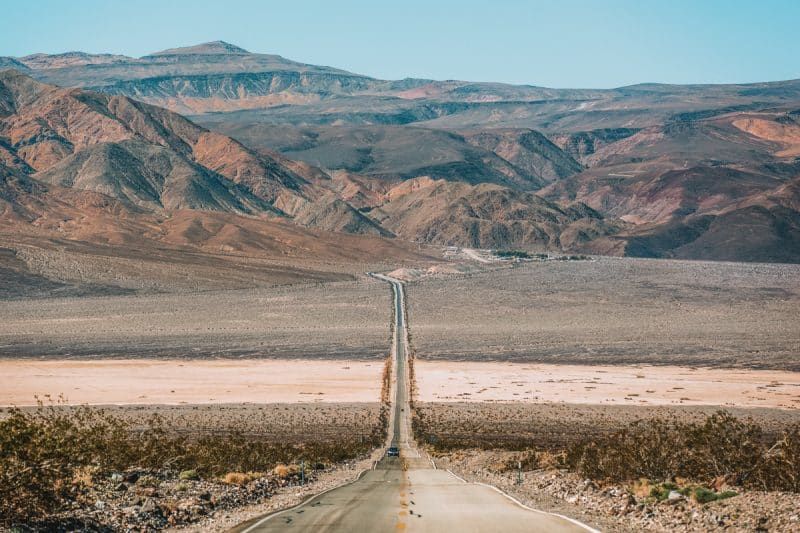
x=393 y=452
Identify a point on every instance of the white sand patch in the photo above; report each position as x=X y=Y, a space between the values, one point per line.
x=180 y=381
x=439 y=381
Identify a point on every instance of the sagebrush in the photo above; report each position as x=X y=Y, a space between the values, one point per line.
x=50 y=455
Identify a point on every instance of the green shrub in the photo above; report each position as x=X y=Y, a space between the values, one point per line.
x=704 y=495
x=509 y=254
x=189 y=475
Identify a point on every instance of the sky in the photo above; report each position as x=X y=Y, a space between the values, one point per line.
x=566 y=43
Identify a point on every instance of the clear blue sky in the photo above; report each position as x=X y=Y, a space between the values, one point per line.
x=566 y=43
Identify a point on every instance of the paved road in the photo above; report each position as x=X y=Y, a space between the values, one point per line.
x=409 y=493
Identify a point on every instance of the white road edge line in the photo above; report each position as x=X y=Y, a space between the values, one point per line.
x=513 y=499
x=399 y=296
x=461 y=479
x=304 y=502
x=516 y=501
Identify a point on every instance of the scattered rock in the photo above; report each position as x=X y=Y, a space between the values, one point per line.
x=614 y=508
x=675 y=497
x=149 y=506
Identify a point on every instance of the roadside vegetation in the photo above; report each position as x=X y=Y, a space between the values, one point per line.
x=656 y=456
x=52 y=457
x=531 y=256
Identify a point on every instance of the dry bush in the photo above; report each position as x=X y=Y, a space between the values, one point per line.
x=706 y=450
x=49 y=456
x=46 y=457
x=242 y=478
x=722 y=447
x=281 y=471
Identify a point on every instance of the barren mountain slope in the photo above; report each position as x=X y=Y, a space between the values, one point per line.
x=485 y=216
x=673 y=162
x=528 y=150
x=154 y=158
x=397 y=152
x=44 y=125
x=81 y=242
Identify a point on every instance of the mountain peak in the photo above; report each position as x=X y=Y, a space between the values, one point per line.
x=211 y=48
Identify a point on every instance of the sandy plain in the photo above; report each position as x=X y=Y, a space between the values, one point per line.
x=190 y=382
x=445 y=381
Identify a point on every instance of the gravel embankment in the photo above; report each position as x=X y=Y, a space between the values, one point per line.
x=615 y=508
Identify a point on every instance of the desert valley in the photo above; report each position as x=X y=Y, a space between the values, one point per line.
x=231 y=281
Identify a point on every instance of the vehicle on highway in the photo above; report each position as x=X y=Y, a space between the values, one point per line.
x=393 y=452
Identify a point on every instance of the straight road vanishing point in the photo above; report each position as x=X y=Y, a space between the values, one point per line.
x=408 y=493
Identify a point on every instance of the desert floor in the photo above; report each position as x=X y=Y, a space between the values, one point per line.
x=614 y=311
x=445 y=381
x=609 y=331
x=190 y=382
x=348 y=320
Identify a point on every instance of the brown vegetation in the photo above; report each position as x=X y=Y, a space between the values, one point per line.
x=722 y=449
x=51 y=456
x=627 y=444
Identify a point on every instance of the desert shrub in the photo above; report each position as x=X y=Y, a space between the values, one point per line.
x=148 y=480
x=720 y=447
x=509 y=254
x=715 y=451
x=46 y=457
x=705 y=495
x=242 y=478
x=281 y=471
x=50 y=456
x=661 y=491
x=189 y=475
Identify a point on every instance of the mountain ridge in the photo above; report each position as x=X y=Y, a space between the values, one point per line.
x=662 y=165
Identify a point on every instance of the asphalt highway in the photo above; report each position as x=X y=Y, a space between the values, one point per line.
x=408 y=493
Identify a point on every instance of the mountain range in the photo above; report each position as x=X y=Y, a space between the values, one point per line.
x=213 y=132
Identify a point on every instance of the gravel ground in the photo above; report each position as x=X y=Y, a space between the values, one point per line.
x=283 y=498
x=347 y=320
x=613 y=311
x=615 y=508
x=151 y=500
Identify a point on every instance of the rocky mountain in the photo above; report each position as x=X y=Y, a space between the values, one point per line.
x=200 y=78
x=156 y=161
x=70 y=59
x=650 y=169
x=721 y=187
x=486 y=216
x=131 y=151
x=527 y=150
x=398 y=153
